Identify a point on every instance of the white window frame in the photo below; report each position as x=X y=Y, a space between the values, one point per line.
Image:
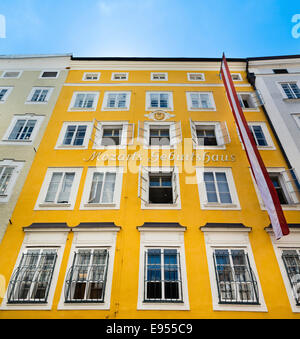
x=218 y=133
x=296 y=116
x=267 y=135
x=252 y=101
x=48 y=238
x=291 y=241
x=175 y=134
x=105 y=101
x=49 y=70
x=11 y=70
x=100 y=238
x=84 y=78
x=195 y=73
x=39 y=119
x=114 y=74
x=211 y=100
x=235 y=205
x=164 y=74
x=42 y=205
x=7 y=94
x=291 y=205
x=167 y=238
x=143 y=188
x=238 y=75
x=284 y=95
x=97 y=139
x=85 y=205
x=17 y=167
x=88 y=124
x=170 y=101
x=50 y=90
x=87 y=109
x=220 y=238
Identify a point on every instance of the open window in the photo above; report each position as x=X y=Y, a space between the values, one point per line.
x=112 y=134
x=160 y=134
x=209 y=134
x=159 y=187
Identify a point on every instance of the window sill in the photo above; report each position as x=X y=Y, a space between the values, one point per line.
x=70 y=147
x=202 y=109
x=100 y=205
x=85 y=109
x=46 y=205
x=36 y=102
x=159 y=108
x=160 y=206
x=213 y=206
x=115 y=108
x=291 y=100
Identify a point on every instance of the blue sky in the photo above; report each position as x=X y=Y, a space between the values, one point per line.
x=154 y=28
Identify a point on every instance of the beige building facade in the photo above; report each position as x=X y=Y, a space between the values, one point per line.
x=29 y=88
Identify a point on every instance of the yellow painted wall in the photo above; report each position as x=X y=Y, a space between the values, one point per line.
x=126 y=265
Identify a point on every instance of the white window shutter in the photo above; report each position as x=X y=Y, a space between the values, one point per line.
x=222 y=134
x=98 y=127
x=194 y=132
x=143 y=133
x=175 y=133
x=143 y=187
x=174 y=187
x=130 y=134
x=291 y=186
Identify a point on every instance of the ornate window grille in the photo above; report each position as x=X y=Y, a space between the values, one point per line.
x=86 y=279
x=291 y=259
x=162 y=282
x=30 y=282
x=235 y=279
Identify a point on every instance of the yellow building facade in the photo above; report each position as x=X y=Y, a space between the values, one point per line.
x=140 y=203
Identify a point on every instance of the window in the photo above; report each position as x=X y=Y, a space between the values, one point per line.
x=84 y=101
x=285 y=184
x=236 y=77
x=49 y=75
x=159 y=100
x=233 y=275
x=59 y=189
x=102 y=188
x=261 y=135
x=86 y=278
x=119 y=76
x=235 y=279
x=280 y=71
x=159 y=76
x=291 y=90
x=297 y=119
x=209 y=134
x=200 y=101
x=162 y=272
x=4 y=93
x=196 y=77
x=31 y=281
x=159 y=187
x=113 y=134
x=12 y=74
x=39 y=95
x=23 y=129
x=217 y=189
x=160 y=134
x=91 y=76
x=163 y=275
x=291 y=260
x=246 y=101
x=9 y=171
x=74 y=135
x=116 y=101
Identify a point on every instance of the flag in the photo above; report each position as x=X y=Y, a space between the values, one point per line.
x=263 y=181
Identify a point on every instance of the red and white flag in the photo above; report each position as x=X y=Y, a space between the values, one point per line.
x=264 y=183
